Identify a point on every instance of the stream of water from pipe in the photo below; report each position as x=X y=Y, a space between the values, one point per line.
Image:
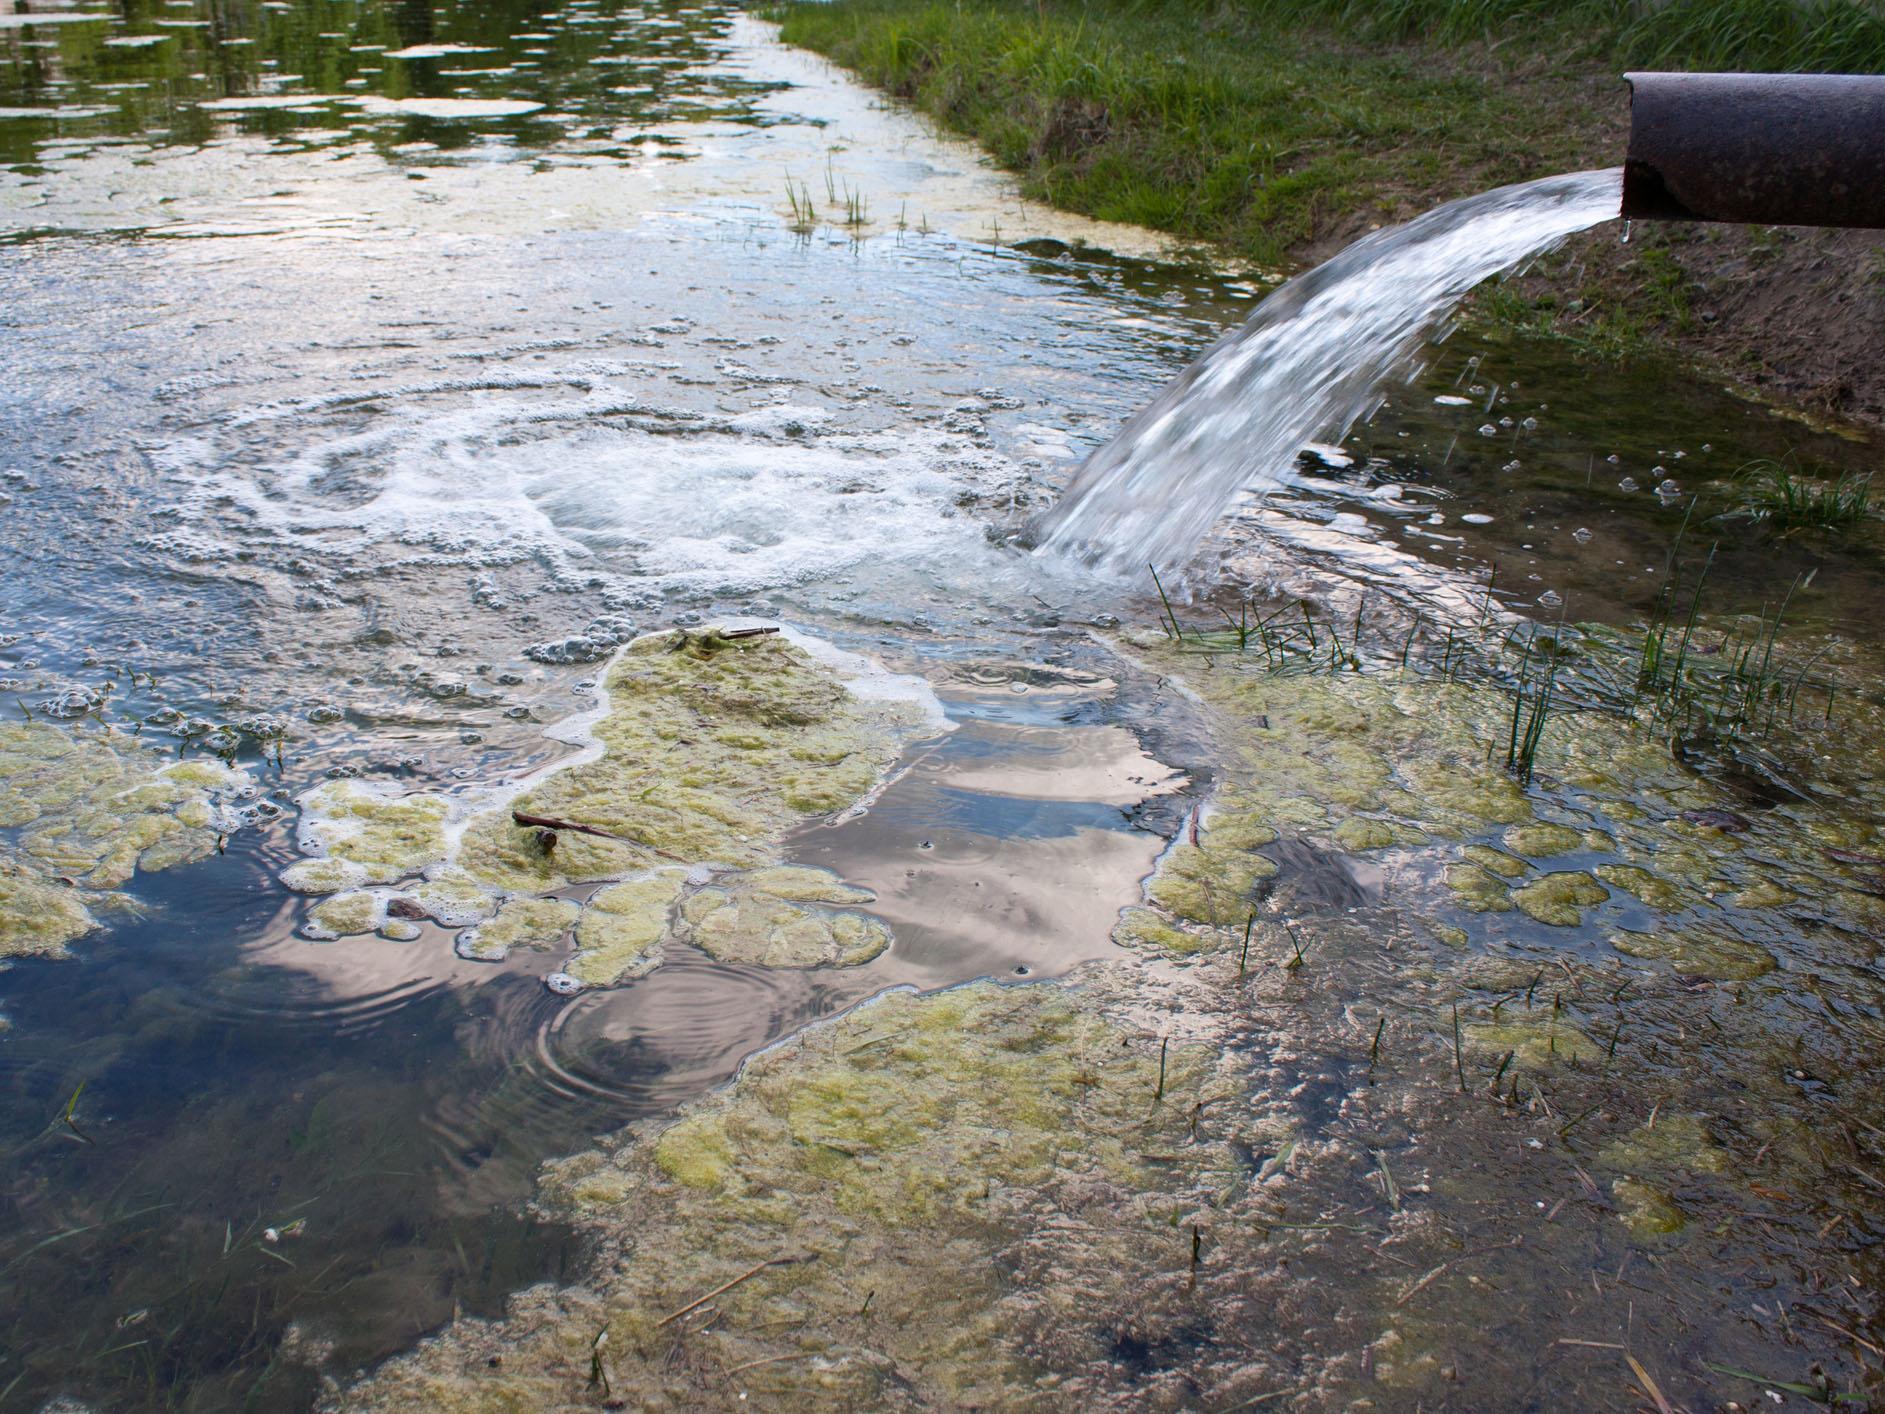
x=1308 y=363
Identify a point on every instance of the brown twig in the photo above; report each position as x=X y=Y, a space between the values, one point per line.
x=728 y=1286
x=770 y=1359
x=1650 y=1387
x=550 y=822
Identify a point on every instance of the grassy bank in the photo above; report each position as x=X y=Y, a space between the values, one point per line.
x=1262 y=126
x=1276 y=130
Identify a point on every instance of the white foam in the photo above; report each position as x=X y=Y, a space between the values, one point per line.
x=693 y=508
x=870 y=681
x=445 y=107
x=70 y=110
x=244 y=102
x=436 y=51
x=51 y=17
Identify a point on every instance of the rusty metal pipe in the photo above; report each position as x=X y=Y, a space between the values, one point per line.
x=1769 y=149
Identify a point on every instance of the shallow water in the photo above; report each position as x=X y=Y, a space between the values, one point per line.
x=344 y=419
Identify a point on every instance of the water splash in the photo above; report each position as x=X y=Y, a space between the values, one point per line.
x=1305 y=365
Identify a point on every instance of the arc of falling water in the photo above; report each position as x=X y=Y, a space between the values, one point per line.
x=1303 y=368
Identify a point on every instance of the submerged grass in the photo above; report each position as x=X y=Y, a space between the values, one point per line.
x=1266 y=125
x=1772 y=493
x=1690 y=678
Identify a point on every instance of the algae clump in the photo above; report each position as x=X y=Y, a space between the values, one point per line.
x=1477 y=890
x=1535 y=1043
x=1560 y=899
x=771 y=918
x=1447 y=934
x=1541 y=840
x=1674 y=1142
x=1646 y=887
x=1647 y=1211
x=1698 y=954
x=1207 y=883
x=710 y=748
x=38 y=916
x=1497 y=861
x=92 y=807
x=535 y=923
x=1141 y=928
x=919 y=1148
x=388 y=836
x=342 y=915
x=1359 y=835
x=324 y=876
x=622 y=927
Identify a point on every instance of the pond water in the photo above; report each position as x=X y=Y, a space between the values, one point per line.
x=372 y=371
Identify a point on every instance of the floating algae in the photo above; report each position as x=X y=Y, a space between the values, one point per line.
x=91 y=807
x=1647 y=1211
x=1672 y=1143
x=324 y=876
x=908 y=1205
x=1447 y=934
x=1144 y=930
x=452 y=898
x=1536 y=1040
x=1659 y=893
x=1477 y=890
x=623 y=926
x=38 y=915
x=1543 y=839
x=774 y=918
x=709 y=748
x=1764 y=893
x=1303 y=753
x=1358 y=834
x=1497 y=860
x=1560 y=899
x=387 y=836
x=343 y=915
x=1210 y=883
x=1695 y=953
x=535 y=923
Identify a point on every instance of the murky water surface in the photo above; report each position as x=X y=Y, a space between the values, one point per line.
x=372 y=371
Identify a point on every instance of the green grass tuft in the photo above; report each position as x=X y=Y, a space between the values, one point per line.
x=1772 y=494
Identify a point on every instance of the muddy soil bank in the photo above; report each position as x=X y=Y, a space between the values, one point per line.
x=1790 y=313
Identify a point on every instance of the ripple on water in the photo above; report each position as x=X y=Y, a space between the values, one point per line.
x=680 y=1030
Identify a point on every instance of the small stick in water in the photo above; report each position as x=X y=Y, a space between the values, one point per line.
x=1459 y=1063
x=1500 y=1073
x=746 y=1275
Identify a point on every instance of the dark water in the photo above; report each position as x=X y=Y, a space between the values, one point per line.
x=323 y=413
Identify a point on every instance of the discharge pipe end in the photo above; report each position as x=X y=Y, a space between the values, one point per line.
x=1766 y=149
